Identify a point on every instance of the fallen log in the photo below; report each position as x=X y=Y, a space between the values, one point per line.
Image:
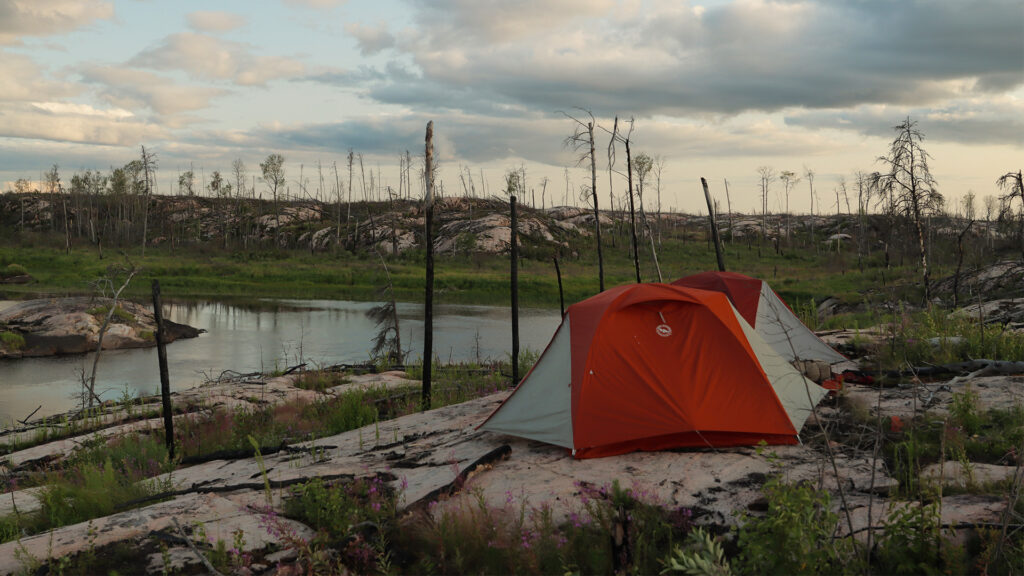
x=1003 y=367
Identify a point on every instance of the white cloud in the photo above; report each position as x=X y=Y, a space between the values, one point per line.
x=21 y=80
x=979 y=119
x=499 y=21
x=72 y=109
x=672 y=57
x=28 y=121
x=215 y=21
x=316 y=4
x=371 y=39
x=210 y=58
x=137 y=89
x=21 y=18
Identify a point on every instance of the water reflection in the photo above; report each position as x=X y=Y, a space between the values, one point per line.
x=272 y=334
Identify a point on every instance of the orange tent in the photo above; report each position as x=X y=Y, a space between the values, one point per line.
x=655 y=366
x=773 y=319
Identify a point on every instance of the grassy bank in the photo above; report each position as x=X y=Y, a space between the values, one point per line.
x=206 y=272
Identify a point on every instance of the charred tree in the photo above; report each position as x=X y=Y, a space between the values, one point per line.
x=582 y=138
x=428 y=243
x=910 y=183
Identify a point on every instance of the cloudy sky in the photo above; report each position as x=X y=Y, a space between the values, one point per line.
x=716 y=88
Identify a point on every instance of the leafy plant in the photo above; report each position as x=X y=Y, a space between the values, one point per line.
x=964 y=410
x=12 y=340
x=120 y=314
x=912 y=542
x=795 y=534
x=701 y=556
x=320 y=380
x=13 y=270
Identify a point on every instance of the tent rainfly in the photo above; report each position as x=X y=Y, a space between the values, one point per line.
x=656 y=366
x=762 y=308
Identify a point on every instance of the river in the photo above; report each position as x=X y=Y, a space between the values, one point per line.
x=272 y=335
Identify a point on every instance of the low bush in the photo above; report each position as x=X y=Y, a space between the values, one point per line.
x=120 y=314
x=12 y=340
x=320 y=380
x=12 y=270
x=96 y=481
x=794 y=536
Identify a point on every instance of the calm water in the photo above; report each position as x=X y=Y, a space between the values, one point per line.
x=283 y=333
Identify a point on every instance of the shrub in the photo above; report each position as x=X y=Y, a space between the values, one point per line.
x=912 y=542
x=794 y=536
x=347 y=513
x=120 y=314
x=965 y=410
x=320 y=380
x=13 y=270
x=702 y=556
x=12 y=340
x=93 y=483
x=348 y=411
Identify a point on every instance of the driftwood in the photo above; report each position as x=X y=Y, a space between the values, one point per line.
x=294 y=368
x=944 y=526
x=975 y=368
x=25 y=421
x=192 y=546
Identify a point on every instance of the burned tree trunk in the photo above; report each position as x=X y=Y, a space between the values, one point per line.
x=561 y=296
x=165 y=381
x=632 y=212
x=514 y=257
x=959 y=263
x=597 y=211
x=714 y=226
x=428 y=242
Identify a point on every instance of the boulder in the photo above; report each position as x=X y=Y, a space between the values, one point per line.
x=54 y=326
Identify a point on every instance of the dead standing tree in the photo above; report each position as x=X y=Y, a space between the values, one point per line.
x=105 y=285
x=617 y=136
x=149 y=165
x=428 y=245
x=789 y=180
x=642 y=165
x=273 y=175
x=582 y=138
x=1013 y=183
x=864 y=193
x=632 y=209
x=809 y=174
x=513 y=186
x=767 y=174
x=910 y=184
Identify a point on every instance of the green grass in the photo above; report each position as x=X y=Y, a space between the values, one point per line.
x=296 y=421
x=968 y=434
x=12 y=270
x=320 y=380
x=205 y=271
x=97 y=480
x=472 y=536
x=938 y=337
x=120 y=314
x=12 y=340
